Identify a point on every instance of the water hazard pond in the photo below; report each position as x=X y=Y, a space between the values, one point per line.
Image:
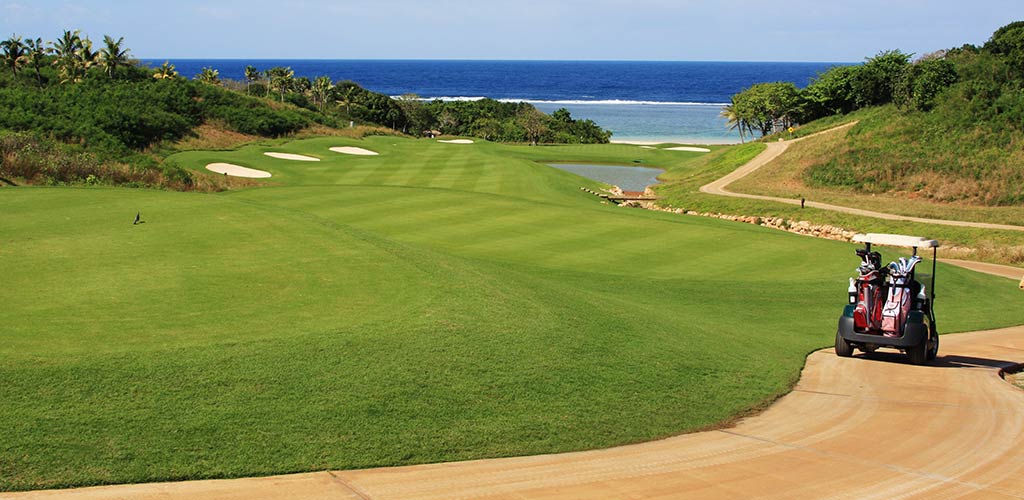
x=626 y=177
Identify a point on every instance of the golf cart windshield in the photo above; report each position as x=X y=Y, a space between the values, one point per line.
x=896 y=240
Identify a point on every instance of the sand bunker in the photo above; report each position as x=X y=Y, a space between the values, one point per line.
x=689 y=148
x=290 y=156
x=648 y=147
x=350 y=150
x=457 y=141
x=237 y=171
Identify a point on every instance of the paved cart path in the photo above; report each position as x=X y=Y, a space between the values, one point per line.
x=1011 y=272
x=774 y=149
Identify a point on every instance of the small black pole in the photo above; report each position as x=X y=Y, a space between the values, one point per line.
x=802 y=200
x=931 y=303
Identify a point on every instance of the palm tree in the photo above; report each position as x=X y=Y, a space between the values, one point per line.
x=35 y=57
x=321 y=90
x=13 y=53
x=165 y=71
x=347 y=95
x=251 y=75
x=302 y=85
x=733 y=121
x=86 y=57
x=209 y=75
x=67 y=44
x=112 y=55
x=67 y=50
x=281 y=79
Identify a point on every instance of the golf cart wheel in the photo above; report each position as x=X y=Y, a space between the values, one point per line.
x=918 y=354
x=843 y=348
x=933 y=344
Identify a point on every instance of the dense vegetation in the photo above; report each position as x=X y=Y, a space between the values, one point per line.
x=486 y=118
x=69 y=114
x=949 y=128
x=72 y=114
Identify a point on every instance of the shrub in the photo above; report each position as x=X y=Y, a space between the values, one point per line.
x=922 y=82
x=876 y=81
x=248 y=115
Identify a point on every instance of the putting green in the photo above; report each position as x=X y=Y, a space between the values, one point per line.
x=429 y=303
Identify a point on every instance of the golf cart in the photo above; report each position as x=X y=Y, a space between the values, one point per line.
x=887 y=306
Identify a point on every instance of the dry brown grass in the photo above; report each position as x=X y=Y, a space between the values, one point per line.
x=988 y=252
x=357 y=132
x=784 y=176
x=25 y=160
x=217 y=136
x=214 y=136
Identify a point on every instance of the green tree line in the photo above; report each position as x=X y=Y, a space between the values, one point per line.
x=409 y=114
x=968 y=85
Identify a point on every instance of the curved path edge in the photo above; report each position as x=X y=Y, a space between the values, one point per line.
x=774 y=149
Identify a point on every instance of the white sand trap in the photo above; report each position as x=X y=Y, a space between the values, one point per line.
x=290 y=156
x=689 y=148
x=237 y=171
x=350 y=150
x=648 y=147
x=457 y=141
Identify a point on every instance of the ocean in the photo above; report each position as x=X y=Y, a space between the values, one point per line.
x=638 y=101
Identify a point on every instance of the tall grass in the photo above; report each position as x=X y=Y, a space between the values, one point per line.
x=25 y=159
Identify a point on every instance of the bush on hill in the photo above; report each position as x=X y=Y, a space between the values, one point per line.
x=248 y=115
x=27 y=158
x=514 y=122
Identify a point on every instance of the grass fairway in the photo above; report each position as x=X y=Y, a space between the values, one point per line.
x=435 y=302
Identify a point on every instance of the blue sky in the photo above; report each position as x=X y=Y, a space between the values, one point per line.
x=680 y=30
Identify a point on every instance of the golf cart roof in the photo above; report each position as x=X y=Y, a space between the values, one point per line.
x=896 y=240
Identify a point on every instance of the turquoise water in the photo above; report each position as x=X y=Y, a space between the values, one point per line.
x=637 y=100
x=627 y=178
x=654 y=122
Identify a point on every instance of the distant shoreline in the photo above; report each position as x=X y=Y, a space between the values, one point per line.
x=639 y=102
x=671 y=140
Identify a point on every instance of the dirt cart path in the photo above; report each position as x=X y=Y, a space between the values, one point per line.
x=775 y=149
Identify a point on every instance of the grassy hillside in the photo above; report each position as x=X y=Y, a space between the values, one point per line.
x=436 y=302
x=116 y=131
x=885 y=140
x=945 y=129
x=682 y=189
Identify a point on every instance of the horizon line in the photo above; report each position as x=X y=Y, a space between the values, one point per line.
x=187 y=58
